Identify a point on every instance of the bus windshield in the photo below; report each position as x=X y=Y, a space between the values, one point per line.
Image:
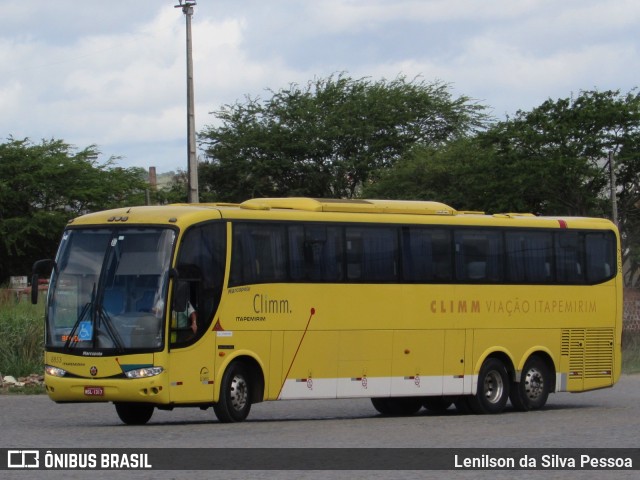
x=108 y=290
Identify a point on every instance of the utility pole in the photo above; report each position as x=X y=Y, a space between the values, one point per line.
x=192 y=165
x=612 y=185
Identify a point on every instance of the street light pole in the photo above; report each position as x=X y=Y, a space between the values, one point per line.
x=192 y=165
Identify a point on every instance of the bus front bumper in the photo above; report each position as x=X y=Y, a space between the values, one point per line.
x=76 y=389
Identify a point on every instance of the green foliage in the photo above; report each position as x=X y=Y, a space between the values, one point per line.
x=551 y=160
x=567 y=143
x=327 y=139
x=43 y=185
x=21 y=338
x=460 y=174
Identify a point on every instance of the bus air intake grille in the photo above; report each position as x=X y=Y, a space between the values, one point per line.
x=589 y=352
x=599 y=355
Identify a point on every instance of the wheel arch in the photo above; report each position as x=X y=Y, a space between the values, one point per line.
x=501 y=354
x=255 y=372
x=544 y=355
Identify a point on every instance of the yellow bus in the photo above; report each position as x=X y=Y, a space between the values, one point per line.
x=412 y=304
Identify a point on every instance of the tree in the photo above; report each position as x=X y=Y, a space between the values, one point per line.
x=43 y=185
x=550 y=160
x=461 y=174
x=329 y=138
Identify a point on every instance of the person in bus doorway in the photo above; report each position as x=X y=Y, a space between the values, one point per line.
x=187 y=319
x=184 y=323
x=184 y=318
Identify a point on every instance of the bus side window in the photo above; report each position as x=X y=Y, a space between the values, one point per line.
x=601 y=256
x=426 y=254
x=259 y=254
x=372 y=254
x=529 y=256
x=297 y=263
x=478 y=256
x=322 y=251
x=270 y=250
x=569 y=257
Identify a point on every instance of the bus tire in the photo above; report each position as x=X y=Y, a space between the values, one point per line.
x=134 y=413
x=436 y=404
x=493 y=388
x=235 y=395
x=381 y=405
x=533 y=389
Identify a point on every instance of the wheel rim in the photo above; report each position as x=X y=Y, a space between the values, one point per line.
x=239 y=393
x=533 y=384
x=493 y=387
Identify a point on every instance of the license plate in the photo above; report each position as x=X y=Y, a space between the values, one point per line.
x=94 y=391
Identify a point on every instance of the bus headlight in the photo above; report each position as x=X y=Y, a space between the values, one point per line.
x=144 y=372
x=54 y=371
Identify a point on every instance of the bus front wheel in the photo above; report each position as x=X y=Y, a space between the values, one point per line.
x=235 y=395
x=493 y=388
x=532 y=391
x=134 y=413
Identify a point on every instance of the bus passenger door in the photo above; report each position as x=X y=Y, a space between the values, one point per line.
x=191 y=358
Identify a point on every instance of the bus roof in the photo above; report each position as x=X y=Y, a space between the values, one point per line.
x=338 y=210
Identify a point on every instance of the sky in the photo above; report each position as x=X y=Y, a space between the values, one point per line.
x=113 y=73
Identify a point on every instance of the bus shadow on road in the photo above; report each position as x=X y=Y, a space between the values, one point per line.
x=450 y=413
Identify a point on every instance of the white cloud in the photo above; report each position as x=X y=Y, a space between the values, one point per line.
x=113 y=73
x=341 y=16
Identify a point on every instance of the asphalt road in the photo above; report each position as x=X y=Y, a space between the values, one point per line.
x=607 y=418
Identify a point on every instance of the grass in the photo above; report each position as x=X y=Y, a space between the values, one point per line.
x=21 y=338
x=26 y=390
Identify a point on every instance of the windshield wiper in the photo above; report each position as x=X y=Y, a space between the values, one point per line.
x=109 y=328
x=73 y=339
x=83 y=313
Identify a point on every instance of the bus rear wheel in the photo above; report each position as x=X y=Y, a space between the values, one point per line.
x=532 y=391
x=235 y=395
x=493 y=388
x=134 y=413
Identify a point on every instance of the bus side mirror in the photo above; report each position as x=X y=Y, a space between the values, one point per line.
x=41 y=266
